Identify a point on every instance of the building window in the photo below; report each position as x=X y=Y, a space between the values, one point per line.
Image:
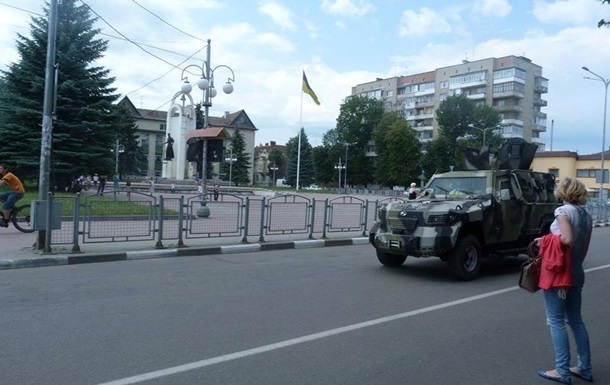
x=586 y=173
x=554 y=171
x=162 y=126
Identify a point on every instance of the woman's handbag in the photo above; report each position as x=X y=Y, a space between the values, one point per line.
x=530 y=270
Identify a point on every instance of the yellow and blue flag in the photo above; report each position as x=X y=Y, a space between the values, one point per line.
x=307 y=89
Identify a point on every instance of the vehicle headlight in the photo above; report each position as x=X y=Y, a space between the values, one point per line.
x=442 y=219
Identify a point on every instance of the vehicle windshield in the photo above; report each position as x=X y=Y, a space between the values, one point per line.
x=459 y=186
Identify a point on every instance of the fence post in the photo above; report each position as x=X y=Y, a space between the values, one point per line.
x=49 y=230
x=180 y=221
x=325 y=218
x=312 y=209
x=245 y=226
x=159 y=244
x=366 y=217
x=261 y=238
x=76 y=226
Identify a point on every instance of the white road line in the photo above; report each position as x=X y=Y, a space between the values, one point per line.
x=311 y=337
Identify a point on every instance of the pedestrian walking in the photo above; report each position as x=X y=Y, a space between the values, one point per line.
x=101 y=185
x=116 y=181
x=562 y=278
x=216 y=191
x=151 y=185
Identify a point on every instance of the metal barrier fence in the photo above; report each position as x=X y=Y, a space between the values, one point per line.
x=120 y=216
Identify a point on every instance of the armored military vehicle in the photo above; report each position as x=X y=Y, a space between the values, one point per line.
x=494 y=208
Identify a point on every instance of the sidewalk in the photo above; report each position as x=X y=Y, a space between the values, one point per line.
x=19 y=251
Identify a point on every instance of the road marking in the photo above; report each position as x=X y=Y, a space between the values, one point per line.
x=308 y=338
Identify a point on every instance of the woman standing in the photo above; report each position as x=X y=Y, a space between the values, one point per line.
x=562 y=278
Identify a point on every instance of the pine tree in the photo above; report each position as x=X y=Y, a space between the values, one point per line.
x=306 y=168
x=85 y=130
x=239 y=168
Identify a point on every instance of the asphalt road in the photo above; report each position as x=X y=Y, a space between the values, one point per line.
x=317 y=316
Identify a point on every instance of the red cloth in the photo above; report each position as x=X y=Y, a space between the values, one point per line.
x=556 y=268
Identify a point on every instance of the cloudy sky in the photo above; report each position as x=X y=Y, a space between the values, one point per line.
x=339 y=44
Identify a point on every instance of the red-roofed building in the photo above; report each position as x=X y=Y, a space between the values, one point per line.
x=152 y=135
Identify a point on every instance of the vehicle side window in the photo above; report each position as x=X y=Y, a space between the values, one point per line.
x=527 y=187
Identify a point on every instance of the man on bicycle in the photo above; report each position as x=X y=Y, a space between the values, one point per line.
x=10 y=197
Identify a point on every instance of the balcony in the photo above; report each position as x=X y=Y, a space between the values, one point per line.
x=481 y=95
x=540 y=115
x=429 y=91
x=543 y=89
x=539 y=127
x=540 y=102
x=508 y=108
x=508 y=94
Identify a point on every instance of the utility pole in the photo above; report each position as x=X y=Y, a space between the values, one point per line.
x=44 y=236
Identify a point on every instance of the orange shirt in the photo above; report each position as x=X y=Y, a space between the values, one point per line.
x=13 y=182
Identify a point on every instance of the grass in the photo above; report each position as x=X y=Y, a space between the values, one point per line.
x=104 y=206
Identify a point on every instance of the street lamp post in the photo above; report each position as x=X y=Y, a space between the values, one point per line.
x=273 y=168
x=118 y=149
x=231 y=158
x=340 y=166
x=206 y=84
x=606 y=82
x=345 y=172
x=484 y=130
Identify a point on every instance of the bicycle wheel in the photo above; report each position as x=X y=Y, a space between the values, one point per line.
x=21 y=218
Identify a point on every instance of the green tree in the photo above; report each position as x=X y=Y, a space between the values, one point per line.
x=435 y=159
x=130 y=161
x=239 y=168
x=603 y=22
x=358 y=116
x=84 y=130
x=453 y=117
x=306 y=167
x=484 y=118
x=277 y=159
x=398 y=152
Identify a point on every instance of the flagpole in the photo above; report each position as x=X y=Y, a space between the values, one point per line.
x=299 y=142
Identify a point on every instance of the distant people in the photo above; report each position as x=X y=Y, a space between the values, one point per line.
x=128 y=186
x=216 y=191
x=151 y=185
x=102 y=185
x=200 y=189
x=413 y=191
x=116 y=181
x=169 y=151
x=172 y=188
x=96 y=179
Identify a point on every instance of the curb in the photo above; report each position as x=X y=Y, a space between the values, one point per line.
x=60 y=260
x=601 y=224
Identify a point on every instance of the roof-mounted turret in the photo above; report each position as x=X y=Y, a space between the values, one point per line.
x=515 y=153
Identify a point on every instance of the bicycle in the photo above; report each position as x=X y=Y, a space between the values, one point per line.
x=20 y=216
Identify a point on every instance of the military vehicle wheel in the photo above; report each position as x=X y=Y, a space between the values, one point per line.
x=465 y=260
x=390 y=260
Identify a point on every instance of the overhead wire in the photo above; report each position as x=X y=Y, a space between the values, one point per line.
x=166 y=22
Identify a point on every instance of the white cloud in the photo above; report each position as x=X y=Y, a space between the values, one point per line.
x=494 y=8
x=426 y=22
x=576 y=12
x=313 y=30
x=347 y=7
x=279 y=14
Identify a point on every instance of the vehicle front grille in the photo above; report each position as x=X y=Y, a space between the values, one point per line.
x=438 y=218
x=402 y=225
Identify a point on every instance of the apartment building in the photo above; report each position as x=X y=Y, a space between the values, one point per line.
x=512 y=84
